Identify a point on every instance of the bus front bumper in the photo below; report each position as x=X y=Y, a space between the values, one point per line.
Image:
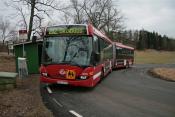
x=85 y=83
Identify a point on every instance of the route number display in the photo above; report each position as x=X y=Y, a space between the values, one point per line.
x=67 y=30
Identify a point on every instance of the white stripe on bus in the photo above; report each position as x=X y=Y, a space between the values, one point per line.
x=96 y=75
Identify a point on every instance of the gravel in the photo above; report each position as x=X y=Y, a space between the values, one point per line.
x=25 y=100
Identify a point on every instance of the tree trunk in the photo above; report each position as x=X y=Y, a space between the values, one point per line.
x=31 y=19
x=3 y=42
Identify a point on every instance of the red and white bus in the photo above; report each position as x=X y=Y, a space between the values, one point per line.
x=78 y=55
x=123 y=55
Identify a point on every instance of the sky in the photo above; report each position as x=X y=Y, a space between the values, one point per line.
x=151 y=15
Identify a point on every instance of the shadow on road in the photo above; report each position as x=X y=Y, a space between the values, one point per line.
x=68 y=88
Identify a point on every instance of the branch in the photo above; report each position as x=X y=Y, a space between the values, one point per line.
x=23 y=16
x=50 y=5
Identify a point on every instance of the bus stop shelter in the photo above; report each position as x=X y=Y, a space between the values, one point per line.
x=32 y=51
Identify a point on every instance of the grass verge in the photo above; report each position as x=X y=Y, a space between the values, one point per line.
x=164 y=73
x=154 y=57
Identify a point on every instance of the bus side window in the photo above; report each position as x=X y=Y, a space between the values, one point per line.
x=96 y=50
x=106 y=49
x=96 y=44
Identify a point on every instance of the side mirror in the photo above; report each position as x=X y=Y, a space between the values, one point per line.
x=47 y=44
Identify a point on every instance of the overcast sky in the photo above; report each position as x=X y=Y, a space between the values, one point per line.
x=152 y=15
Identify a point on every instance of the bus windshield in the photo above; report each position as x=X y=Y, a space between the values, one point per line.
x=73 y=50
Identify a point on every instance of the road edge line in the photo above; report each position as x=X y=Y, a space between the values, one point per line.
x=48 y=89
x=75 y=113
x=59 y=104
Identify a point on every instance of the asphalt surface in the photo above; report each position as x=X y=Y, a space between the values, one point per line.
x=123 y=93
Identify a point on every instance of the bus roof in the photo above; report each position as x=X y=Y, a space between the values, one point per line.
x=123 y=46
x=92 y=30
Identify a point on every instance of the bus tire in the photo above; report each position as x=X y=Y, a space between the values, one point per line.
x=102 y=75
x=127 y=64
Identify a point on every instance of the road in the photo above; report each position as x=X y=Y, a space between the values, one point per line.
x=123 y=93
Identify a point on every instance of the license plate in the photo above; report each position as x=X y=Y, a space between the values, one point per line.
x=62 y=82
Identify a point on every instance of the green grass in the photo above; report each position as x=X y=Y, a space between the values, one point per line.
x=154 y=57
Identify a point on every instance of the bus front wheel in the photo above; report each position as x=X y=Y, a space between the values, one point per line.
x=127 y=64
x=102 y=75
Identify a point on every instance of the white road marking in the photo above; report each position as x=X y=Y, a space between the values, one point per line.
x=48 y=89
x=75 y=113
x=57 y=102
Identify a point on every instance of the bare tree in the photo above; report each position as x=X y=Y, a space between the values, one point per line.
x=37 y=8
x=79 y=12
x=66 y=19
x=101 y=13
x=23 y=16
x=13 y=35
x=4 y=29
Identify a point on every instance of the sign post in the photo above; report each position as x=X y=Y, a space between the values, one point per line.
x=23 y=37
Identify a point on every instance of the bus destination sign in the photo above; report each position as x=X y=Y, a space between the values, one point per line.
x=67 y=30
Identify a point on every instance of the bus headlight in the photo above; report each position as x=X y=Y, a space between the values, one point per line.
x=44 y=74
x=83 y=77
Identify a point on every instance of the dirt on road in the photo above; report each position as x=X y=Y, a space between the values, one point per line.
x=25 y=100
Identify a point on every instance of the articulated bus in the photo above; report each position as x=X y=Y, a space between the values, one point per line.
x=78 y=55
x=124 y=55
